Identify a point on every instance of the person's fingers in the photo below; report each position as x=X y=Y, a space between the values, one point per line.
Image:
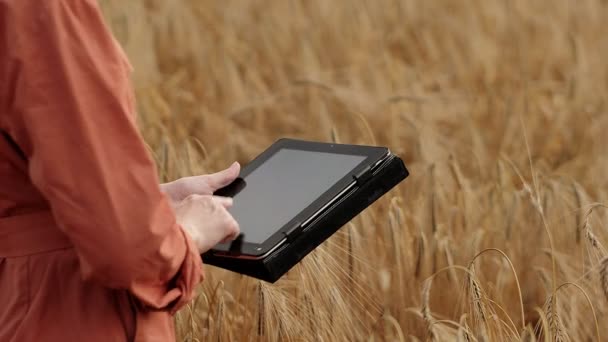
x=225 y=202
x=194 y=198
x=194 y=185
x=236 y=229
x=223 y=178
x=231 y=236
x=229 y=239
x=232 y=229
x=201 y=185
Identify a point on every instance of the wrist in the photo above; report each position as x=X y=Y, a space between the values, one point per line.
x=195 y=235
x=169 y=190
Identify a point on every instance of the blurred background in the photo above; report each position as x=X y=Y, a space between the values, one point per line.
x=498 y=109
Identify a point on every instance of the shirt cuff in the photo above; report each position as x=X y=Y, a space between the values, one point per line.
x=173 y=295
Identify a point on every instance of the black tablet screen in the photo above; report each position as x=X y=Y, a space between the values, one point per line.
x=283 y=186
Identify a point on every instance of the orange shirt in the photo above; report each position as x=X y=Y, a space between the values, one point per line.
x=89 y=247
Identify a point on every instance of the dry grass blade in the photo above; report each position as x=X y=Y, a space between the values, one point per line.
x=261 y=317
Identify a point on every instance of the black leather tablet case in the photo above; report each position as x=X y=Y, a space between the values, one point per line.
x=300 y=243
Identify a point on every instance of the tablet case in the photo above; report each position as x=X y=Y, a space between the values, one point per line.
x=300 y=243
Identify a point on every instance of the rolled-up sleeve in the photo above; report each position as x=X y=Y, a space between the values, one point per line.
x=71 y=114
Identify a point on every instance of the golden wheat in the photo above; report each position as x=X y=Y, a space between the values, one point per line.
x=497 y=107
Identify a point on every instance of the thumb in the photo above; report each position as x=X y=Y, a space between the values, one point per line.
x=221 y=179
x=225 y=202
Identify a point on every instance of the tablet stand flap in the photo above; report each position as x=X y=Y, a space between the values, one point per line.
x=364 y=175
x=293 y=232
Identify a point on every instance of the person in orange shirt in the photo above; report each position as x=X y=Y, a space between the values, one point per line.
x=91 y=247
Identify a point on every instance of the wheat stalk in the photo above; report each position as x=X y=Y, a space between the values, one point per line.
x=426 y=310
x=447 y=88
x=555 y=323
x=476 y=294
x=604 y=276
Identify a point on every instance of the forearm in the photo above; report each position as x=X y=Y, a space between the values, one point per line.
x=72 y=116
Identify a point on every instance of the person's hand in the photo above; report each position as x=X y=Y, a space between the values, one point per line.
x=206 y=219
x=178 y=190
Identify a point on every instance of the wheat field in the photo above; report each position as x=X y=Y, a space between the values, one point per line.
x=498 y=109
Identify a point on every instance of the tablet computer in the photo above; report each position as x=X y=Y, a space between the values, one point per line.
x=296 y=194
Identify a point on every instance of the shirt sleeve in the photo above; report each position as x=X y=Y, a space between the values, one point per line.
x=71 y=113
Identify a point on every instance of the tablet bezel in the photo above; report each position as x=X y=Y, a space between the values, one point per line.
x=372 y=154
